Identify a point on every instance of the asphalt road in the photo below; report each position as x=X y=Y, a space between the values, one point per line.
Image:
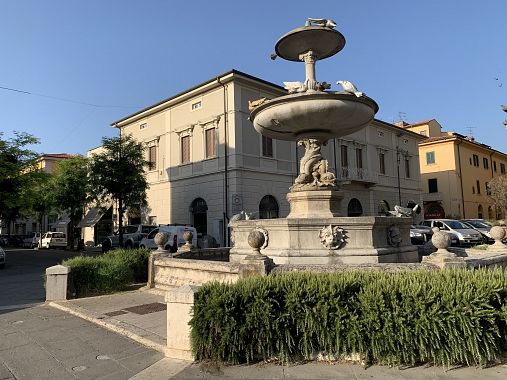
x=22 y=279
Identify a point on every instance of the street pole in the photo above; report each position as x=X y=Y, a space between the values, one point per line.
x=398 y=159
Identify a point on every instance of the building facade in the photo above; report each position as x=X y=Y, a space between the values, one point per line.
x=207 y=162
x=54 y=221
x=455 y=172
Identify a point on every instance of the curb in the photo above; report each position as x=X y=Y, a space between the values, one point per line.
x=112 y=327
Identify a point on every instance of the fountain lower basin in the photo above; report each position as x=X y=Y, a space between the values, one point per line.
x=317 y=114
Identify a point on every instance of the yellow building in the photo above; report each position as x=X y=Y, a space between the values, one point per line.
x=52 y=222
x=455 y=172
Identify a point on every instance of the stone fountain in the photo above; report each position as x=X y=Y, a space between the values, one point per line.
x=315 y=231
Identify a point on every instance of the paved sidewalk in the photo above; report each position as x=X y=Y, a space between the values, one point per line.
x=141 y=316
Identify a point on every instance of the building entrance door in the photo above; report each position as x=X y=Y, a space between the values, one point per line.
x=199 y=211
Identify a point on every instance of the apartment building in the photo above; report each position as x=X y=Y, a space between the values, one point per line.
x=455 y=172
x=208 y=163
x=51 y=222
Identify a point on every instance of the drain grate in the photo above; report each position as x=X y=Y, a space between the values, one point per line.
x=147 y=308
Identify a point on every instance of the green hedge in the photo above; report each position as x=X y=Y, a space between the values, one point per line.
x=115 y=270
x=443 y=317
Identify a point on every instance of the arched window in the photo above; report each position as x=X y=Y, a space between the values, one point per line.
x=383 y=208
x=479 y=211
x=199 y=209
x=268 y=207
x=354 y=208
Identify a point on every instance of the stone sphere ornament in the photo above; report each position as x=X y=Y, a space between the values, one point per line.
x=441 y=241
x=497 y=233
x=256 y=240
x=188 y=236
x=161 y=239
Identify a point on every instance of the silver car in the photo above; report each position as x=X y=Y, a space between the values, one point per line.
x=467 y=236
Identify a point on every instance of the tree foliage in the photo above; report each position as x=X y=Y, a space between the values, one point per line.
x=498 y=191
x=118 y=174
x=71 y=190
x=18 y=175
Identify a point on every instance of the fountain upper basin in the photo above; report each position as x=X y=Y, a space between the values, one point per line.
x=321 y=115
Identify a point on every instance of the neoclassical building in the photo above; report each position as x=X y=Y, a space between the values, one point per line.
x=207 y=162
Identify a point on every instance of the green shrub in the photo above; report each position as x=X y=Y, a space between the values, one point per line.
x=444 y=317
x=115 y=270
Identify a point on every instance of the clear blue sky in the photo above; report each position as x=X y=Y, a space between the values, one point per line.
x=428 y=59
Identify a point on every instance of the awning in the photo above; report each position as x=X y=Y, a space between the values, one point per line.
x=62 y=221
x=91 y=218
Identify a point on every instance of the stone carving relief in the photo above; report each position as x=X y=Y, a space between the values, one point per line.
x=332 y=237
x=394 y=236
x=313 y=168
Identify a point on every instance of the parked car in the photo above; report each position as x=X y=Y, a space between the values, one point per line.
x=420 y=234
x=15 y=240
x=4 y=240
x=53 y=240
x=31 y=241
x=175 y=237
x=467 y=236
x=132 y=236
x=482 y=226
x=2 y=258
x=417 y=230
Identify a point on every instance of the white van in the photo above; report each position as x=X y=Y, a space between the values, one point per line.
x=467 y=236
x=53 y=240
x=175 y=237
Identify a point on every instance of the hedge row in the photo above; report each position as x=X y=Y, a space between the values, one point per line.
x=115 y=270
x=443 y=317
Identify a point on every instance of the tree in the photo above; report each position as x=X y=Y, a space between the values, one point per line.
x=18 y=175
x=498 y=191
x=118 y=174
x=71 y=189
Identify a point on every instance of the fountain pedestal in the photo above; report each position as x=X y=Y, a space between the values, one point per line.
x=315 y=204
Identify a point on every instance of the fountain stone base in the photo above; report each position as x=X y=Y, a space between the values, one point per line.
x=315 y=204
x=328 y=240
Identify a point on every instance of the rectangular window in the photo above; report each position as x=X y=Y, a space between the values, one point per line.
x=502 y=168
x=476 y=160
x=382 y=163
x=494 y=166
x=344 y=155
x=196 y=105
x=407 y=168
x=485 y=162
x=210 y=143
x=478 y=187
x=152 y=220
x=267 y=146
x=142 y=126
x=430 y=157
x=423 y=133
x=152 y=157
x=359 y=158
x=432 y=185
x=185 y=149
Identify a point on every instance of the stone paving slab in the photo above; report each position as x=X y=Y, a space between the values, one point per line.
x=134 y=314
x=45 y=343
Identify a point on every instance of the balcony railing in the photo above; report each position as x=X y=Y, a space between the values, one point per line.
x=357 y=175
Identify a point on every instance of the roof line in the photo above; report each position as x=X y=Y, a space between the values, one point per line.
x=232 y=71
